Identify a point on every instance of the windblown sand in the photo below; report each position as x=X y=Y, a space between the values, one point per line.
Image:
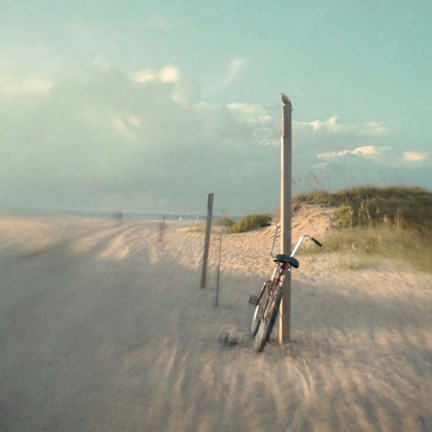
x=103 y=327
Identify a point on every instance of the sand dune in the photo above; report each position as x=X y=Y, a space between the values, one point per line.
x=104 y=328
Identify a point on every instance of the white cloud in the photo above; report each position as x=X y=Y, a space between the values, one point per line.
x=333 y=155
x=414 y=156
x=184 y=91
x=332 y=126
x=236 y=65
x=386 y=156
x=134 y=120
x=373 y=128
x=105 y=134
x=167 y=74
x=151 y=142
x=125 y=125
x=329 y=125
x=366 y=150
x=250 y=113
x=120 y=125
x=23 y=87
x=145 y=76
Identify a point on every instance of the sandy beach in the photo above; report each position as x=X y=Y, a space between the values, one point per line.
x=103 y=327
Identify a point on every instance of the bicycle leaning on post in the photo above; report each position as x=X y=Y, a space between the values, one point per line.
x=268 y=302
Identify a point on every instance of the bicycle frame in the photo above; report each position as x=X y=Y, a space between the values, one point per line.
x=275 y=281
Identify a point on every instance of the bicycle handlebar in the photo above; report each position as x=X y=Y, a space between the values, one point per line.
x=299 y=241
x=316 y=241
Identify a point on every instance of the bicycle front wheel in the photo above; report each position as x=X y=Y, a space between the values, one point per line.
x=256 y=317
x=267 y=324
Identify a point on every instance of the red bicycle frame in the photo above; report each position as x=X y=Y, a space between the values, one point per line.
x=275 y=281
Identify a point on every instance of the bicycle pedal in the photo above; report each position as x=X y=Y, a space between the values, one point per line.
x=254 y=300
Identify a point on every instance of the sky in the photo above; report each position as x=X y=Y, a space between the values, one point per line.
x=148 y=106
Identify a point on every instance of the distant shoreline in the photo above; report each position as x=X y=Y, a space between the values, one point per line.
x=106 y=214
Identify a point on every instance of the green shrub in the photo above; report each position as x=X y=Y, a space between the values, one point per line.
x=224 y=221
x=250 y=222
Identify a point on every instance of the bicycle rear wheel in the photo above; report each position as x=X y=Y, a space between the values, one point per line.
x=256 y=317
x=267 y=324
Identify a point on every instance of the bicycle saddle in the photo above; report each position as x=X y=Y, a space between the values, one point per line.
x=286 y=259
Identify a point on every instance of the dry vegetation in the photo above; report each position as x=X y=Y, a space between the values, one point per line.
x=369 y=206
x=393 y=222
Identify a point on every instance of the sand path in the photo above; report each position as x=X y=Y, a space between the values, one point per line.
x=103 y=327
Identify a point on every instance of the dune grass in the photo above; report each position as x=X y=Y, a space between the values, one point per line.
x=392 y=222
x=367 y=244
x=369 y=206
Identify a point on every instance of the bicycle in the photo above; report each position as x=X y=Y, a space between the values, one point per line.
x=268 y=302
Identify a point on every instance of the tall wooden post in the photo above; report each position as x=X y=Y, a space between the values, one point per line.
x=207 y=240
x=285 y=217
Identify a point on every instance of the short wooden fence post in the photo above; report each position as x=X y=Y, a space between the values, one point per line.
x=207 y=240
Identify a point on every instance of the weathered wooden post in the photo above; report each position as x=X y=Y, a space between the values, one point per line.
x=285 y=217
x=207 y=240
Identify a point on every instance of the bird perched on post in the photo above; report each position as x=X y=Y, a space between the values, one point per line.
x=285 y=99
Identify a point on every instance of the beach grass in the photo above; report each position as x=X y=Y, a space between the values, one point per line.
x=365 y=244
x=370 y=206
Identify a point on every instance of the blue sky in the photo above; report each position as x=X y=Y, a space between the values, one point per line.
x=148 y=106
